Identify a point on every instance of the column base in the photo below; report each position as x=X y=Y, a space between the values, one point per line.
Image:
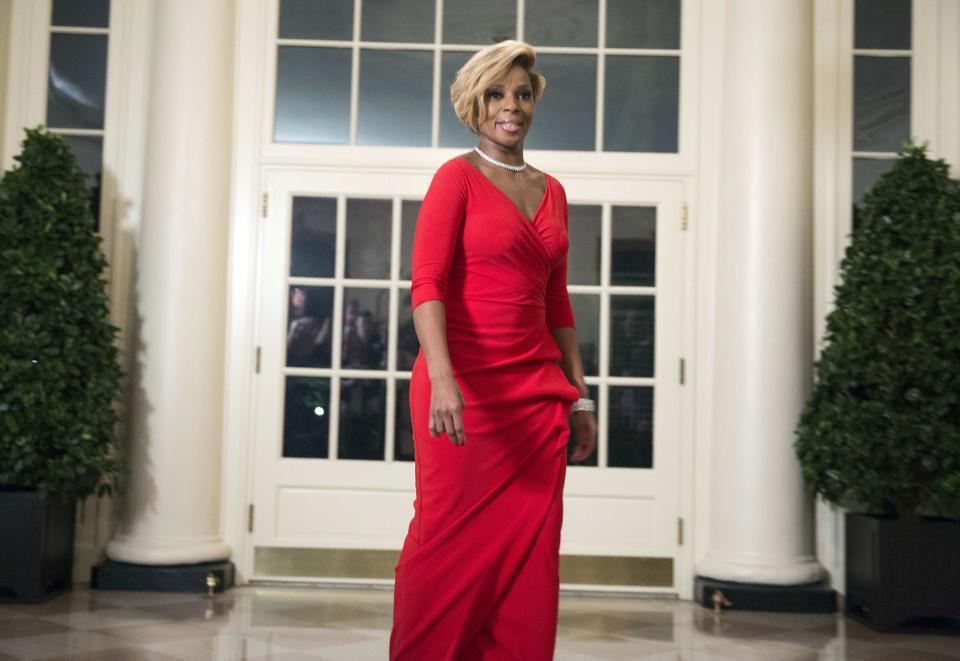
x=112 y=575
x=811 y=598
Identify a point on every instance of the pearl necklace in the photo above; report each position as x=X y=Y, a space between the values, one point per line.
x=500 y=164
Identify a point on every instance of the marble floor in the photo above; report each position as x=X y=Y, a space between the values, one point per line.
x=289 y=623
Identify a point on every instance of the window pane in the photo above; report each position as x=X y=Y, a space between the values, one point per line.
x=472 y=22
x=866 y=171
x=365 y=328
x=586 y=312
x=642 y=105
x=882 y=24
x=313 y=237
x=407 y=343
x=368 y=238
x=566 y=116
x=403 y=424
x=633 y=246
x=561 y=22
x=643 y=23
x=81 y=13
x=632 y=326
x=316 y=19
x=630 y=432
x=306 y=417
x=881 y=103
x=313 y=95
x=583 y=260
x=453 y=133
x=396 y=98
x=77 y=82
x=397 y=20
x=88 y=150
x=572 y=443
x=363 y=407
x=309 y=326
x=408 y=222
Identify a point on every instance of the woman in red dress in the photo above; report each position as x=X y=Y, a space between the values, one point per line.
x=495 y=386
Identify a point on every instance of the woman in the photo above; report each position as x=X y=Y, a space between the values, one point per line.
x=493 y=389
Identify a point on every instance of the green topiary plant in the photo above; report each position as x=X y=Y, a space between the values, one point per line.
x=881 y=428
x=59 y=373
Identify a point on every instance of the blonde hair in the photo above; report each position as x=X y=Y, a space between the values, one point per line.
x=486 y=66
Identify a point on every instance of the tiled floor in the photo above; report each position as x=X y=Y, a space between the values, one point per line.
x=284 y=624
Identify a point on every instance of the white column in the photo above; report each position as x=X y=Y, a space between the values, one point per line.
x=170 y=513
x=760 y=523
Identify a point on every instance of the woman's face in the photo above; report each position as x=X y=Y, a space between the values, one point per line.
x=509 y=105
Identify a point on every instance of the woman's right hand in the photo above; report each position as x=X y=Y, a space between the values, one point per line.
x=446 y=409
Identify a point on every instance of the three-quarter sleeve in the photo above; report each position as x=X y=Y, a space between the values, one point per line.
x=559 y=311
x=435 y=237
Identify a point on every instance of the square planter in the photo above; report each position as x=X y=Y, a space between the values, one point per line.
x=903 y=575
x=36 y=546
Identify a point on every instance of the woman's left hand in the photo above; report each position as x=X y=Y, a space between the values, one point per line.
x=585 y=429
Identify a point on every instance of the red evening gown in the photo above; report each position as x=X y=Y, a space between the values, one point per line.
x=478 y=576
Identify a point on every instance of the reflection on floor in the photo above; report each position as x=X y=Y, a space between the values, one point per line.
x=287 y=623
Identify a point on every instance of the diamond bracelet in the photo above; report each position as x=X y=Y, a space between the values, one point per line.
x=583 y=404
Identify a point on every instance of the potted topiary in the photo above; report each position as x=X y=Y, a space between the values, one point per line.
x=880 y=432
x=59 y=373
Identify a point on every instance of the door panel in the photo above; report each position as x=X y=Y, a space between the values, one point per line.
x=334 y=448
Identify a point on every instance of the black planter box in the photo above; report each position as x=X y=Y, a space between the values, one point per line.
x=36 y=546
x=903 y=575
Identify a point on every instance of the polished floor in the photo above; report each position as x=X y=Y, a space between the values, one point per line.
x=290 y=623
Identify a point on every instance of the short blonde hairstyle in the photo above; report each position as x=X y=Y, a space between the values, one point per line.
x=486 y=66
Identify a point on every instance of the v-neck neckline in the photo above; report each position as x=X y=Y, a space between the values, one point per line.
x=529 y=221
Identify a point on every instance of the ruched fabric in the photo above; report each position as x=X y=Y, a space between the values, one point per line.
x=478 y=575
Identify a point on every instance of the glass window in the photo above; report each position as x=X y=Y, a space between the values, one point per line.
x=586 y=312
x=632 y=325
x=368 y=222
x=309 y=326
x=633 y=246
x=472 y=22
x=313 y=95
x=631 y=427
x=77 y=83
x=396 y=98
x=316 y=19
x=397 y=20
x=881 y=103
x=583 y=258
x=88 y=150
x=313 y=237
x=363 y=406
x=566 y=117
x=882 y=24
x=306 y=417
x=561 y=22
x=643 y=24
x=364 y=333
x=81 y=13
x=642 y=104
x=866 y=171
x=453 y=132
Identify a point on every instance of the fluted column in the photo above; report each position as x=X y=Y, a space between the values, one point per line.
x=760 y=523
x=170 y=513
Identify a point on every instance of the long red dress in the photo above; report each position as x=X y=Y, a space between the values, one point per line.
x=478 y=576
